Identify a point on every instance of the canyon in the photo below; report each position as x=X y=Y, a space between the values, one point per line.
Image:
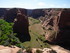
x=54 y=22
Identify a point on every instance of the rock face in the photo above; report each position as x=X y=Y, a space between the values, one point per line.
x=2 y=12
x=10 y=15
x=51 y=24
x=60 y=24
x=63 y=36
x=21 y=26
x=29 y=12
x=37 y=13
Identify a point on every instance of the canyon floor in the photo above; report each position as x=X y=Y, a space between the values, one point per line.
x=36 y=32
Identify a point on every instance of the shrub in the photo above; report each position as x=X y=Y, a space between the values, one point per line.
x=34 y=21
x=38 y=51
x=41 y=37
x=29 y=50
x=20 y=51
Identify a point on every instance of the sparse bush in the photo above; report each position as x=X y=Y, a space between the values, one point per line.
x=41 y=37
x=34 y=21
x=20 y=51
x=38 y=51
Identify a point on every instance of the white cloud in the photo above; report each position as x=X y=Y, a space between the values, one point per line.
x=41 y=4
x=56 y=6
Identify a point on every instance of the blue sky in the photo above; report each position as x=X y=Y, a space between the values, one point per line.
x=32 y=4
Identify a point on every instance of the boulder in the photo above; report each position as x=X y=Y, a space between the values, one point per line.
x=48 y=50
x=6 y=49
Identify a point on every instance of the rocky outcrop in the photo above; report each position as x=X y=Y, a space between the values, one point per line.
x=53 y=49
x=21 y=25
x=39 y=50
x=14 y=49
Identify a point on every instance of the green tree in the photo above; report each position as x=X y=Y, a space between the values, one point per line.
x=7 y=37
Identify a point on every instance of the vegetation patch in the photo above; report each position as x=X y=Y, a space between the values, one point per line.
x=7 y=37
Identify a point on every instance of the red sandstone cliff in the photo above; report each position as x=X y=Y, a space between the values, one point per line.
x=59 y=22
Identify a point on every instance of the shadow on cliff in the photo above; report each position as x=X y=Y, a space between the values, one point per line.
x=21 y=26
x=64 y=36
x=64 y=26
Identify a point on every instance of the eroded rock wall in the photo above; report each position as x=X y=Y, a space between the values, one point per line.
x=21 y=25
x=59 y=23
x=10 y=15
x=64 y=27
